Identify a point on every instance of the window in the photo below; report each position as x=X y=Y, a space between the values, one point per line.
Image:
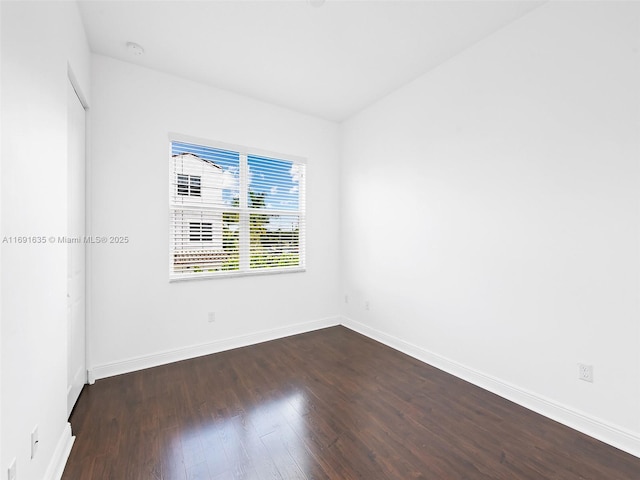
x=200 y=232
x=188 y=185
x=234 y=211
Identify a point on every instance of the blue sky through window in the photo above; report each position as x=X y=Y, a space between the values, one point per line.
x=278 y=181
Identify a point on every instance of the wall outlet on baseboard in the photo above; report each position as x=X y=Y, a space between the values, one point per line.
x=11 y=472
x=585 y=372
x=346 y=299
x=211 y=317
x=367 y=305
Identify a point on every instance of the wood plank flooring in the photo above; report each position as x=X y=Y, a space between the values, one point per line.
x=329 y=404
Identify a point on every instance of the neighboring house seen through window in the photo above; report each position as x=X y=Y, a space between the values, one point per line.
x=188 y=185
x=233 y=211
x=200 y=232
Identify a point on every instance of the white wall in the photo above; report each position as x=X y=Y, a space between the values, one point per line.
x=1 y=231
x=137 y=316
x=490 y=214
x=39 y=40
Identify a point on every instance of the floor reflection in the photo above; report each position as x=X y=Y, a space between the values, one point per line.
x=264 y=440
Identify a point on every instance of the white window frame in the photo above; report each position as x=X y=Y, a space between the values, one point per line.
x=244 y=211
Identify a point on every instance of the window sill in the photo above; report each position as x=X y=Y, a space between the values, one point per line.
x=227 y=275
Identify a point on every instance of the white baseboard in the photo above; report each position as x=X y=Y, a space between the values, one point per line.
x=162 y=358
x=60 y=455
x=611 y=434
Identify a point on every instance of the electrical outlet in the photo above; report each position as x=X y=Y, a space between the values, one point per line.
x=367 y=306
x=11 y=472
x=585 y=372
x=211 y=317
x=34 y=441
x=346 y=299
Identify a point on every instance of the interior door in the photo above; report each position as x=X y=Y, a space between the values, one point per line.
x=76 y=357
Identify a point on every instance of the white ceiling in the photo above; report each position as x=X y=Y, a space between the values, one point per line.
x=329 y=61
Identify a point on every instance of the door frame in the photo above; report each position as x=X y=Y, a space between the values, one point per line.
x=75 y=85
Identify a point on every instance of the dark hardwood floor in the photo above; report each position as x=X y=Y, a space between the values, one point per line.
x=330 y=404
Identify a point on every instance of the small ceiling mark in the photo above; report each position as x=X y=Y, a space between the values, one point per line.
x=135 y=49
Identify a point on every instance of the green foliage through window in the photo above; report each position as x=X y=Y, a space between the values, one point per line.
x=247 y=214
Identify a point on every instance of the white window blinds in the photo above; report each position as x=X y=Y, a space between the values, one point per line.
x=234 y=212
